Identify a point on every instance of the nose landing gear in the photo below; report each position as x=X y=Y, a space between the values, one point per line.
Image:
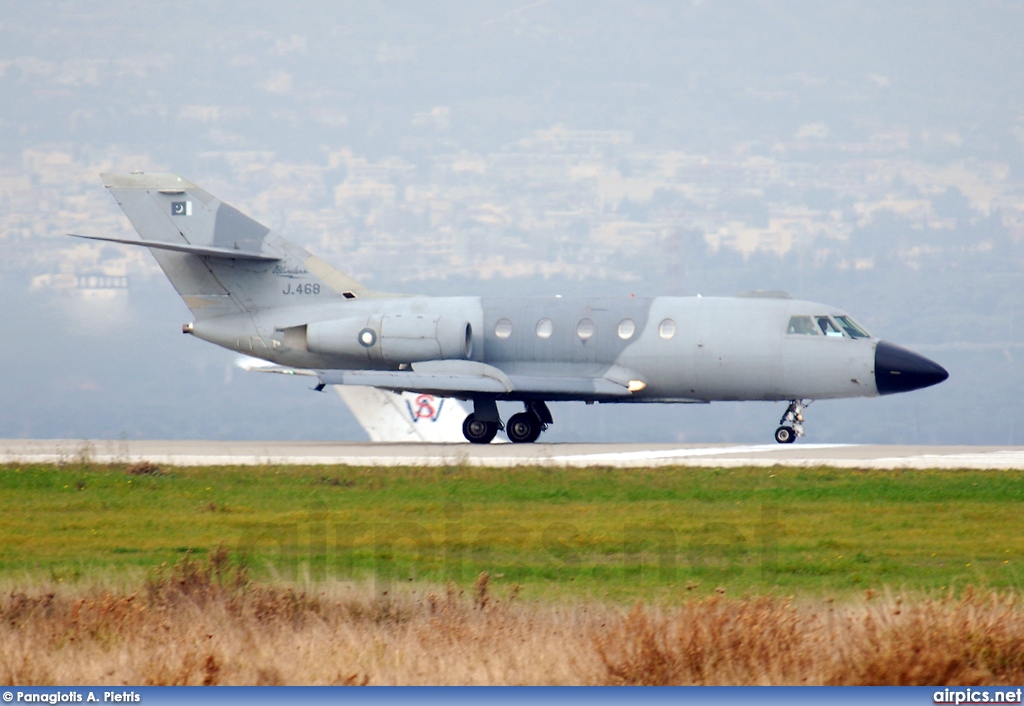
x=792 y=423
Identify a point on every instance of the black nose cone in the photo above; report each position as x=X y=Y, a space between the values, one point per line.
x=900 y=370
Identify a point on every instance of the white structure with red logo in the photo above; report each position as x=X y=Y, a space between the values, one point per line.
x=410 y=416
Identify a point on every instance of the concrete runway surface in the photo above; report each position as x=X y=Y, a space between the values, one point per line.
x=248 y=453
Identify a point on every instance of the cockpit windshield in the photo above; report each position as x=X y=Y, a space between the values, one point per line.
x=853 y=330
x=802 y=326
x=829 y=326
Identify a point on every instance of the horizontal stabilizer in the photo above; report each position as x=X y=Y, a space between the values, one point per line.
x=201 y=250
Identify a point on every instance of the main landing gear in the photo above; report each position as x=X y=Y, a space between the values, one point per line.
x=525 y=427
x=792 y=423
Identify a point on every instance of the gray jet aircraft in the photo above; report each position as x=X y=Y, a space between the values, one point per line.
x=252 y=291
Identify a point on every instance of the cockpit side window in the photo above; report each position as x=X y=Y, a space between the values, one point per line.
x=828 y=327
x=853 y=330
x=802 y=325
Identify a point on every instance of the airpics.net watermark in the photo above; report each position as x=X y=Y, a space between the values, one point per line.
x=318 y=547
x=966 y=697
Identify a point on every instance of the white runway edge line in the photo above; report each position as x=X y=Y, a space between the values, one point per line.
x=253 y=453
x=626 y=456
x=993 y=460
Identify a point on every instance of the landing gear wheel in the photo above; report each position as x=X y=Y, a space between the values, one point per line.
x=478 y=431
x=785 y=435
x=523 y=428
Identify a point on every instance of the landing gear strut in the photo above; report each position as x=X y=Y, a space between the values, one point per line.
x=792 y=423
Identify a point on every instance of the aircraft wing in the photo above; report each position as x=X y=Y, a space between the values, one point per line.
x=458 y=377
x=412 y=382
x=452 y=377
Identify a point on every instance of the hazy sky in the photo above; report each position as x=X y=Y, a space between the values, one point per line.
x=865 y=154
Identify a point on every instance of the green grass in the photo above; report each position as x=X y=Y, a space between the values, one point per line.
x=557 y=532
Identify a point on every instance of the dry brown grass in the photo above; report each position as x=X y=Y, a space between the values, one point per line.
x=972 y=640
x=205 y=622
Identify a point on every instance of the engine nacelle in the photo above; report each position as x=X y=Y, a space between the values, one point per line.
x=392 y=338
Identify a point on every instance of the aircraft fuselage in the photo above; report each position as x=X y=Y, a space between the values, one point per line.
x=693 y=349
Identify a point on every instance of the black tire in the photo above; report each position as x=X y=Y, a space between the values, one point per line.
x=523 y=428
x=477 y=431
x=785 y=435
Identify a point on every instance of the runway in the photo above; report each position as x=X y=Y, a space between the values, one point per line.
x=251 y=453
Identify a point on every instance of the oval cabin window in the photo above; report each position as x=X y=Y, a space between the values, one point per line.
x=545 y=328
x=626 y=329
x=667 y=329
x=503 y=329
x=585 y=329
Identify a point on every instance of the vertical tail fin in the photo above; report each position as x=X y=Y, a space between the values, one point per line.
x=218 y=259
